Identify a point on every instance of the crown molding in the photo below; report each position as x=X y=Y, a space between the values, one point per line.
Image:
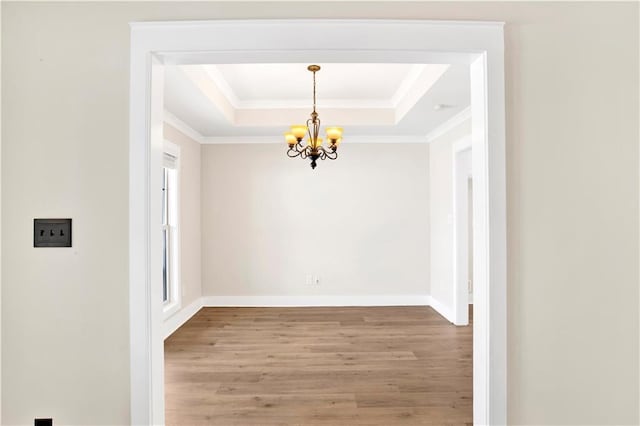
x=407 y=84
x=375 y=139
x=235 y=140
x=420 y=86
x=306 y=104
x=451 y=123
x=170 y=119
x=183 y=127
x=415 y=84
x=218 y=79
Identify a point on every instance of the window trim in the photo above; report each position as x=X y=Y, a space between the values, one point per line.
x=174 y=302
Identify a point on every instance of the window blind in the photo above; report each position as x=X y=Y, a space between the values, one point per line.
x=169 y=161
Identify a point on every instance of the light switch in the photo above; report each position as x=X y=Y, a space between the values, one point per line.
x=52 y=232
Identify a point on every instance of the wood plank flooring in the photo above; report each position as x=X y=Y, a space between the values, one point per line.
x=319 y=366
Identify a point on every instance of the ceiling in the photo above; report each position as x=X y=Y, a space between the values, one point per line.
x=245 y=103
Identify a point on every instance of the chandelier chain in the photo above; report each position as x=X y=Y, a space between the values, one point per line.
x=314 y=91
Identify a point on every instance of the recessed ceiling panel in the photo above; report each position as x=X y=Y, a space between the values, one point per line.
x=293 y=82
x=232 y=102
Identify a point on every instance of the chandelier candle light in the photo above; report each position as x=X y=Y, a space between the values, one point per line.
x=314 y=149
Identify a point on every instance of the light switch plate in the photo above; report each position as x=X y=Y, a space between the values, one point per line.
x=52 y=232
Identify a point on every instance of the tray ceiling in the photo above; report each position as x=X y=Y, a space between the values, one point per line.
x=236 y=102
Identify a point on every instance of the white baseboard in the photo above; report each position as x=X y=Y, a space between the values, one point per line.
x=176 y=320
x=443 y=310
x=293 y=301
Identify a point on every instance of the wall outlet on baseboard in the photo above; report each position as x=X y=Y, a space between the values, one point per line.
x=316 y=280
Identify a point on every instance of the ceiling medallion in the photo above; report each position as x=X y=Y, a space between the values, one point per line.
x=313 y=149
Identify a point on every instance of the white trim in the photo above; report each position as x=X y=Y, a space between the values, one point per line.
x=0 y=224
x=448 y=125
x=183 y=127
x=234 y=140
x=327 y=104
x=176 y=320
x=189 y=131
x=480 y=44
x=231 y=140
x=462 y=144
x=460 y=309
x=442 y=309
x=175 y=267
x=419 y=79
x=218 y=79
x=145 y=300
x=307 y=23
x=407 y=84
x=319 y=300
x=427 y=78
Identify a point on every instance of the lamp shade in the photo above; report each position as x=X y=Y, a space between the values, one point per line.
x=299 y=130
x=315 y=144
x=290 y=138
x=334 y=133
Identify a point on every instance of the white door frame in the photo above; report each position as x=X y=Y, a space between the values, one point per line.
x=480 y=44
x=460 y=235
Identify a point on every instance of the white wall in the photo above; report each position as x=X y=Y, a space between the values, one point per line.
x=190 y=208
x=360 y=222
x=441 y=157
x=572 y=201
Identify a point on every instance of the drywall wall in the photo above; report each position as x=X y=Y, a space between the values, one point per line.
x=360 y=223
x=572 y=201
x=441 y=157
x=64 y=154
x=189 y=215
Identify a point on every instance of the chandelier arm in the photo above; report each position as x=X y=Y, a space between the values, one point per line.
x=292 y=153
x=309 y=123
x=304 y=153
x=332 y=155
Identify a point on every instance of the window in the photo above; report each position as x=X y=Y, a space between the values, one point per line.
x=170 y=241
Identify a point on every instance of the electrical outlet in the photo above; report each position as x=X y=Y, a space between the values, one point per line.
x=52 y=232
x=316 y=280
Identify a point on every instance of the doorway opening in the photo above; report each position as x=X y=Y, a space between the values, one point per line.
x=480 y=45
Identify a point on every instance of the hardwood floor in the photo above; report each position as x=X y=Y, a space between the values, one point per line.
x=319 y=366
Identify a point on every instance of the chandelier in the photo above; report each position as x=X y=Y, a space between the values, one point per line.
x=313 y=149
